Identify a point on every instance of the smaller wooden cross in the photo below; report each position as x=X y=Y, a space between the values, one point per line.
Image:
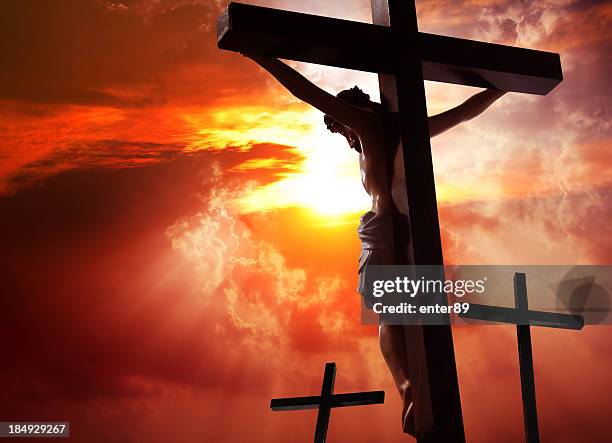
x=326 y=401
x=524 y=318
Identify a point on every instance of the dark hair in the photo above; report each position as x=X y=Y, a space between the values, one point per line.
x=354 y=96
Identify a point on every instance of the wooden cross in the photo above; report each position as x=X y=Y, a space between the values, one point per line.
x=402 y=57
x=524 y=318
x=326 y=401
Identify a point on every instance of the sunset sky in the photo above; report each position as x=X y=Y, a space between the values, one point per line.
x=178 y=233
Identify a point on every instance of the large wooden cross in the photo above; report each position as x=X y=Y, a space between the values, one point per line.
x=403 y=57
x=524 y=318
x=326 y=401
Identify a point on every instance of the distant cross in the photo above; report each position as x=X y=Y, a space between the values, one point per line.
x=402 y=57
x=524 y=318
x=326 y=401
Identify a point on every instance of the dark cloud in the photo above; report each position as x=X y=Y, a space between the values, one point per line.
x=581 y=5
x=94 y=154
x=102 y=309
x=508 y=30
x=119 y=154
x=82 y=300
x=98 y=53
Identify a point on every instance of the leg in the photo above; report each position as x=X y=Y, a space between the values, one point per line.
x=393 y=348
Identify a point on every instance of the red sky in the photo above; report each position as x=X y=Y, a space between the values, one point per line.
x=178 y=233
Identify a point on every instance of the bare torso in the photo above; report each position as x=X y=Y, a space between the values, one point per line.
x=378 y=137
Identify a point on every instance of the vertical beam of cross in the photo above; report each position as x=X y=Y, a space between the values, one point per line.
x=524 y=319
x=430 y=349
x=523 y=333
x=327 y=390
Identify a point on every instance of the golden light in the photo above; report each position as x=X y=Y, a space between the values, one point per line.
x=241 y=126
x=327 y=182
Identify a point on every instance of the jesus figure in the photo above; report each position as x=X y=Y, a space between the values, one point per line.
x=372 y=132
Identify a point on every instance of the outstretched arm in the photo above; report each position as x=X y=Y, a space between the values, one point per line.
x=302 y=88
x=469 y=109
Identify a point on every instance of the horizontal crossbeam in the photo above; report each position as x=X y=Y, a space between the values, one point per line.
x=295 y=403
x=336 y=401
x=501 y=314
x=358 y=399
x=373 y=48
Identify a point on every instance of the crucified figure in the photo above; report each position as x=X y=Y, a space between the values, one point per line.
x=374 y=132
